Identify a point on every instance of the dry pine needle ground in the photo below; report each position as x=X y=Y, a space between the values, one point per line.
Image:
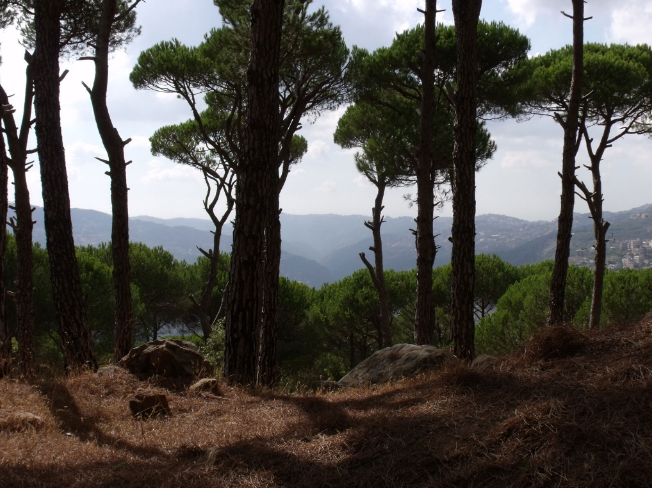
x=548 y=417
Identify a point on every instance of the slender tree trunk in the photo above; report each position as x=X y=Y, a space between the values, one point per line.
x=378 y=273
x=114 y=146
x=600 y=230
x=75 y=334
x=269 y=333
x=467 y=14
x=204 y=303
x=571 y=146
x=224 y=185
x=5 y=336
x=22 y=225
x=426 y=251
x=259 y=155
x=594 y=200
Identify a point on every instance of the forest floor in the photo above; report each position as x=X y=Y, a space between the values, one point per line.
x=583 y=418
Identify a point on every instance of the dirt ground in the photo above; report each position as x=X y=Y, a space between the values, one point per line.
x=549 y=416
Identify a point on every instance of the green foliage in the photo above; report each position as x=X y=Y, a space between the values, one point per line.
x=79 y=23
x=627 y=296
x=619 y=78
x=213 y=347
x=523 y=309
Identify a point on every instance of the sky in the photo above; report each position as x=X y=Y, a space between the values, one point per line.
x=520 y=181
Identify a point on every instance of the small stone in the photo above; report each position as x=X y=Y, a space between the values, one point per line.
x=147 y=405
x=210 y=385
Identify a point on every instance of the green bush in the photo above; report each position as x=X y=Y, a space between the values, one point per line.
x=523 y=309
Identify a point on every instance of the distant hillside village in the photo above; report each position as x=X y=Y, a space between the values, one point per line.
x=628 y=253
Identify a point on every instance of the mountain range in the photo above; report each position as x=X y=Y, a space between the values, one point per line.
x=325 y=248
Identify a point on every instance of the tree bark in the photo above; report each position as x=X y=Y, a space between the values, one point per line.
x=5 y=336
x=426 y=251
x=114 y=146
x=75 y=334
x=259 y=157
x=467 y=14
x=224 y=185
x=571 y=146
x=378 y=274
x=269 y=332
x=595 y=200
x=22 y=225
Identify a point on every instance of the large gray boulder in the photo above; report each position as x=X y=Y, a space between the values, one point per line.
x=167 y=357
x=396 y=362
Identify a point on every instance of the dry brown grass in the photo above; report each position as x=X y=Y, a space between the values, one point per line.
x=583 y=418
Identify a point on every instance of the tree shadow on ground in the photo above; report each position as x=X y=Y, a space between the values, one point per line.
x=64 y=408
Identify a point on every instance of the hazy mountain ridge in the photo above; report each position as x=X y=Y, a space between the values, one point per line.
x=325 y=248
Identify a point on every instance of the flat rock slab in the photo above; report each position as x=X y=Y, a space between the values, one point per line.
x=168 y=358
x=396 y=362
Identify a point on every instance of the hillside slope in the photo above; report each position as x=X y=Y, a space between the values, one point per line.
x=580 y=420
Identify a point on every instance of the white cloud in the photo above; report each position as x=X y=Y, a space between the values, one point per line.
x=630 y=22
x=79 y=153
x=526 y=160
x=361 y=181
x=527 y=11
x=297 y=171
x=162 y=171
x=317 y=149
x=327 y=186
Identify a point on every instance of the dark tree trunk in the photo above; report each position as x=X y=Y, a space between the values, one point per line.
x=466 y=13
x=75 y=334
x=570 y=126
x=594 y=200
x=423 y=326
x=114 y=146
x=224 y=185
x=378 y=274
x=5 y=336
x=269 y=332
x=22 y=225
x=259 y=156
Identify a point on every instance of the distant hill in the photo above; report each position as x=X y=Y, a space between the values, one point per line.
x=325 y=248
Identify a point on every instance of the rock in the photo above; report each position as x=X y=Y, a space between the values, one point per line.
x=396 y=362
x=322 y=385
x=485 y=362
x=110 y=370
x=210 y=385
x=166 y=357
x=146 y=405
x=20 y=421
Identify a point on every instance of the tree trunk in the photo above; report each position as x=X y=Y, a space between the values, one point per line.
x=378 y=274
x=594 y=199
x=22 y=225
x=423 y=326
x=75 y=334
x=259 y=155
x=114 y=146
x=466 y=13
x=5 y=336
x=600 y=230
x=269 y=333
x=570 y=126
